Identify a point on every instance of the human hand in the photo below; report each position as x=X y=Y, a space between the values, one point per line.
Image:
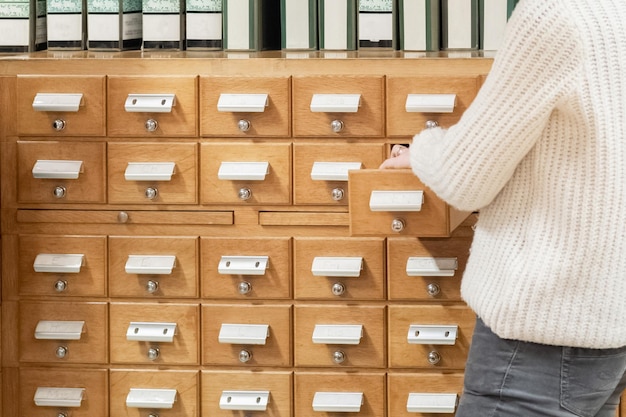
x=400 y=158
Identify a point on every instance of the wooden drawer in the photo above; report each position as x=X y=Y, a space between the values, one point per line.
x=142 y=173
x=234 y=106
x=394 y=211
x=177 y=120
x=320 y=175
x=153 y=266
x=424 y=336
x=323 y=338
x=129 y=345
x=84 y=182
x=53 y=343
x=268 y=343
x=48 y=265
x=310 y=389
x=428 y=269
x=366 y=119
x=83 y=116
x=407 y=120
x=95 y=383
x=275 y=387
x=324 y=271
x=184 y=383
x=229 y=268
x=405 y=393
x=239 y=182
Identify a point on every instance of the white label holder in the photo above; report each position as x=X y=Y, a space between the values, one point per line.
x=151 y=332
x=425 y=334
x=338 y=402
x=396 y=200
x=333 y=171
x=242 y=103
x=243 y=171
x=62 y=263
x=150 y=103
x=58 y=397
x=337 y=266
x=150 y=264
x=440 y=403
x=431 y=267
x=244 y=334
x=338 y=334
x=57 y=169
x=59 y=330
x=335 y=103
x=149 y=171
x=243 y=265
x=430 y=103
x=151 y=398
x=244 y=400
x=69 y=102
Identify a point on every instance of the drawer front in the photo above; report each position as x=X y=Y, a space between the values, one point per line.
x=333 y=272
x=404 y=389
x=229 y=268
x=245 y=106
x=426 y=269
x=320 y=175
x=433 y=218
x=51 y=344
x=152 y=182
x=423 y=336
x=154 y=120
x=84 y=115
x=216 y=386
x=45 y=267
x=258 y=183
x=366 y=119
x=336 y=346
x=184 y=383
x=52 y=183
x=407 y=119
x=153 y=267
x=95 y=383
x=310 y=387
x=181 y=349
x=251 y=346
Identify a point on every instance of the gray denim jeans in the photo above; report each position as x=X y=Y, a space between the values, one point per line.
x=509 y=378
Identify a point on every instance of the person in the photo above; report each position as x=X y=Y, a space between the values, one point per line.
x=541 y=155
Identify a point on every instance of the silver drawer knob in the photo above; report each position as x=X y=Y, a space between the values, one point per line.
x=152 y=286
x=61 y=352
x=245 y=356
x=339 y=356
x=244 y=125
x=433 y=289
x=336 y=126
x=244 y=287
x=338 y=289
x=151 y=125
x=434 y=357
x=122 y=217
x=60 y=285
x=397 y=225
x=59 y=191
x=245 y=193
x=62 y=414
x=58 y=125
x=153 y=353
x=338 y=194
x=151 y=193
x=430 y=124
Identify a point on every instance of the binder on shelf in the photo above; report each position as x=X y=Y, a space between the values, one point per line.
x=163 y=24
x=298 y=22
x=251 y=25
x=376 y=24
x=66 y=22
x=204 y=24
x=23 y=26
x=338 y=25
x=459 y=24
x=494 y=15
x=114 y=24
x=418 y=25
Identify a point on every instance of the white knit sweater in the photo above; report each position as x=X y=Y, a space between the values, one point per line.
x=541 y=152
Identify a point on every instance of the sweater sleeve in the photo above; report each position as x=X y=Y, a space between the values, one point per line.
x=468 y=164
